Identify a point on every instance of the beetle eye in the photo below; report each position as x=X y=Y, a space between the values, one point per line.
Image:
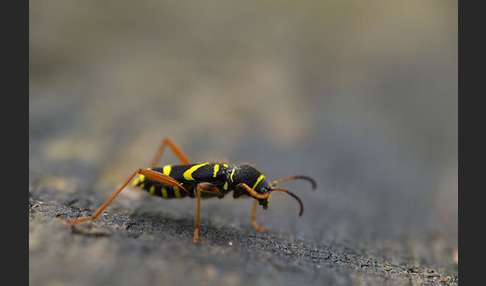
x=263 y=190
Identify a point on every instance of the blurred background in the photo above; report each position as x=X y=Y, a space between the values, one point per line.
x=362 y=96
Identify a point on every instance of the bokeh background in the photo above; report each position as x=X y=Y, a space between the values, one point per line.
x=362 y=96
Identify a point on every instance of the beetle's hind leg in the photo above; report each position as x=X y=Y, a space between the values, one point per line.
x=174 y=147
x=153 y=175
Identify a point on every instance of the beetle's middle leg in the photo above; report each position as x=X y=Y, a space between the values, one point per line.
x=208 y=187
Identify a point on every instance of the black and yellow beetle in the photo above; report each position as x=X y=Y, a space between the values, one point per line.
x=202 y=180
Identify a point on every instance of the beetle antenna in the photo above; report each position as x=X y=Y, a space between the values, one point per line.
x=293 y=195
x=299 y=177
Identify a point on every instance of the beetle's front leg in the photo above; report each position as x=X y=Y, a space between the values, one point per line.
x=253 y=217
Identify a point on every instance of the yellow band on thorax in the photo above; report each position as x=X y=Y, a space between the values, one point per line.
x=258 y=181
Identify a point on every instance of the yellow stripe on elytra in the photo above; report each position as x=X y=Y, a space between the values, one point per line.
x=177 y=193
x=258 y=181
x=166 y=169
x=232 y=172
x=164 y=193
x=152 y=190
x=216 y=169
x=188 y=173
x=225 y=186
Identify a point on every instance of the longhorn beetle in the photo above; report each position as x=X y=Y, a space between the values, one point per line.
x=202 y=180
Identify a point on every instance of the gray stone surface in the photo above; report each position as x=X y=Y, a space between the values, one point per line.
x=362 y=97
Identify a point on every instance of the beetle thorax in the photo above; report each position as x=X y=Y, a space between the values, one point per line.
x=253 y=178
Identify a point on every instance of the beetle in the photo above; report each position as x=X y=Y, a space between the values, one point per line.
x=201 y=181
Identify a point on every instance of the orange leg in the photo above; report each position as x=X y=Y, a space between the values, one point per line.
x=174 y=147
x=253 y=217
x=265 y=195
x=153 y=175
x=209 y=188
x=253 y=193
x=196 y=230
